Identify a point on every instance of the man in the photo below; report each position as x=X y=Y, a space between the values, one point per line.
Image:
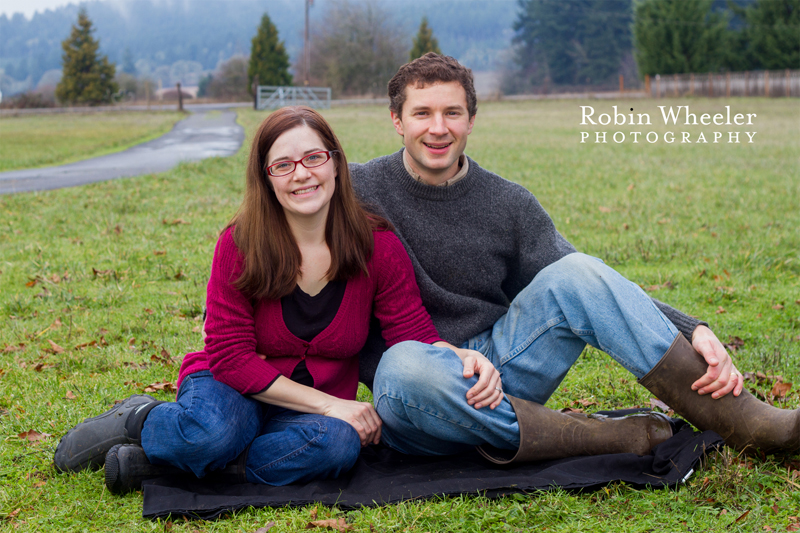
x=502 y=284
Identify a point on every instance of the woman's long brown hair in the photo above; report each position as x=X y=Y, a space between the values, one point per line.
x=271 y=256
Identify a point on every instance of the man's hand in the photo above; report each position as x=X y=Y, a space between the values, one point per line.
x=721 y=377
x=488 y=390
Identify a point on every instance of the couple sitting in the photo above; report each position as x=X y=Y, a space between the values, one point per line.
x=301 y=269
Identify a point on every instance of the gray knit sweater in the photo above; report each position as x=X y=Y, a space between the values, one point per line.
x=474 y=245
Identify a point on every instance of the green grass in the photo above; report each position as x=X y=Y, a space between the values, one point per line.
x=720 y=223
x=45 y=140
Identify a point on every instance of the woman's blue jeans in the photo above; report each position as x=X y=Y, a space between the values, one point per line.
x=420 y=391
x=211 y=424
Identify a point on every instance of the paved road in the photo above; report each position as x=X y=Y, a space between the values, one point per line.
x=196 y=137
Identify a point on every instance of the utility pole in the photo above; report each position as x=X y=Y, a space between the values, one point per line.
x=307 y=45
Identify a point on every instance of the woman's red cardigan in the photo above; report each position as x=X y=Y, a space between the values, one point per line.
x=238 y=328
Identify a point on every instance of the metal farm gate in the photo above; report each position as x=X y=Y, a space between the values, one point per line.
x=273 y=97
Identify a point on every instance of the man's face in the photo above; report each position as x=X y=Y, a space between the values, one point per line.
x=435 y=124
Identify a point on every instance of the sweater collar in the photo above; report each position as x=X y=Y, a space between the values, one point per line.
x=432 y=192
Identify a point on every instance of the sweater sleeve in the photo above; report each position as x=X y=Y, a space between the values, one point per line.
x=230 y=325
x=397 y=304
x=686 y=324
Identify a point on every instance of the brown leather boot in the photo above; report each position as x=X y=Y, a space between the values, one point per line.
x=546 y=434
x=745 y=422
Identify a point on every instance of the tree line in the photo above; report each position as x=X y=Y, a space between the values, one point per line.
x=591 y=42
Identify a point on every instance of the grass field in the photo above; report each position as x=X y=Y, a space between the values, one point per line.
x=45 y=140
x=101 y=288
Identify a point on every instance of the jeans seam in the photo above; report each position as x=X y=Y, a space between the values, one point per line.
x=434 y=415
x=322 y=431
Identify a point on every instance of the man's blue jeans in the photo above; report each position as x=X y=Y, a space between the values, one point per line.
x=210 y=424
x=420 y=391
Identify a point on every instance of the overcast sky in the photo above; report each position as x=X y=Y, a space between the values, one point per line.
x=28 y=7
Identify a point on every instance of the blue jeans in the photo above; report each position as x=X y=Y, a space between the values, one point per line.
x=420 y=391
x=210 y=424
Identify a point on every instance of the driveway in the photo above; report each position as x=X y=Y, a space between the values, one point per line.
x=202 y=134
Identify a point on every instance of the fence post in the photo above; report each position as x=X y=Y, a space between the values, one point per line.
x=647 y=84
x=255 y=92
x=747 y=83
x=621 y=84
x=180 y=97
x=766 y=83
x=691 y=84
x=658 y=85
x=727 y=84
x=710 y=85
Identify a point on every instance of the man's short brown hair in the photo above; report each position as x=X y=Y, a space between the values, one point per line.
x=427 y=70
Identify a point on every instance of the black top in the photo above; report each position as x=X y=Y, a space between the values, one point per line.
x=307 y=316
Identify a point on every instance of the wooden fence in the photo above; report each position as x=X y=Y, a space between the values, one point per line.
x=770 y=83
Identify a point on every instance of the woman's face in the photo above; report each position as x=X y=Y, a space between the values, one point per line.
x=305 y=192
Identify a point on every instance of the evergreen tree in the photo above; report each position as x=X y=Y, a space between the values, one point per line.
x=268 y=58
x=424 y=41
x=771 y=36
x=680 y=36
x=87 y=78
x=572 y=41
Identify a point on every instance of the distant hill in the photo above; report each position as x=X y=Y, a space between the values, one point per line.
x=179 y=41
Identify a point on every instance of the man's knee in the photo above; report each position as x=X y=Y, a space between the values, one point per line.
x=404 y=363
x=573 y=272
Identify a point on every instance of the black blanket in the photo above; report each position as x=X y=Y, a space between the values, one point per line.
x=382 y=476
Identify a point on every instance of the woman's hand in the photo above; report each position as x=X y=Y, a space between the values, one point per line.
x=361 y=415
x=488 y=390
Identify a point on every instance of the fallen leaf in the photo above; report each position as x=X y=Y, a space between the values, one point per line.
x=70 y=395
x=797 y=302
x=85 y=344
x=734 y=343
x=655 y=403
x=720 y=310
x=180 y=275
x=585 y=403
x=14 y=348
x=175 y=222
x=780 y=390
x=40 y=484
x=604 y=209
x=41 y=366
x=165 y=386
x=626 y=226
x=56 y=347
x=777 y=307
x=149 y=311
x=34 y=436
x=32 y=282
x=313 y=513
x=775 y=508
x=338 y=524
x=631 y=186
x=742 y=516
x=44 y=294
x=265 y=528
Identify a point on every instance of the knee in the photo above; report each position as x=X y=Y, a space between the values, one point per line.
x=574 y=272
x=409 y=365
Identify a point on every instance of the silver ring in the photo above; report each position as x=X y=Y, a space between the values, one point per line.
x=498 y=388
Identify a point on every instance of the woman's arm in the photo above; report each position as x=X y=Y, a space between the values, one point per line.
x=361 y=415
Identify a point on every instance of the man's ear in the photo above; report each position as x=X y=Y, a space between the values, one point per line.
x=398 y=123
x=471 y=124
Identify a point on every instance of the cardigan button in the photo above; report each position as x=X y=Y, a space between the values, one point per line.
x=306 y=345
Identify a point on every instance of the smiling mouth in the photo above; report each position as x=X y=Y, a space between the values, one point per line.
x=441 y=146
x=308 y=189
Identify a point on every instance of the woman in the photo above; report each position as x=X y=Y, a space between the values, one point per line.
x=296 y=275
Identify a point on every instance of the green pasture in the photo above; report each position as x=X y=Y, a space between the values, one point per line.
x=44 y=140
x=101 y=290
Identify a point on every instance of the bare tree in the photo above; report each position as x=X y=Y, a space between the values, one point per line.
x=358 y=48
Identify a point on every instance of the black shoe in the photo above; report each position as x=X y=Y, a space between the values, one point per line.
x=127 y=466
x=86 y=445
